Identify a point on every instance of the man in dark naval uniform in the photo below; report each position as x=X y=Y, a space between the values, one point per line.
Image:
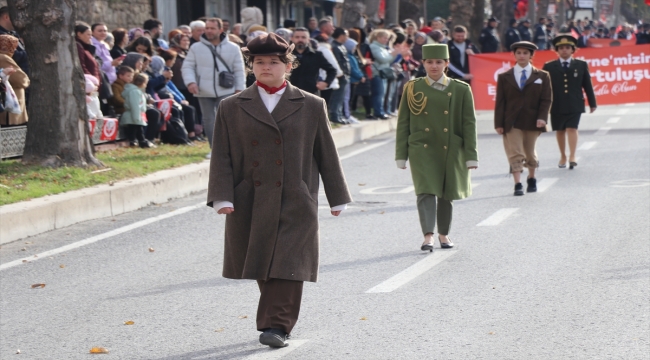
x=525 y=32
x=512 y=34
x=489 y=38
x=569 y=77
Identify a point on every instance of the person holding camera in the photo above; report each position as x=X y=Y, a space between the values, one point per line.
x=213 y=70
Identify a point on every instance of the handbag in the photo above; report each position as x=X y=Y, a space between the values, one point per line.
x=11 y=103
x=226 y=78
x=387 y=73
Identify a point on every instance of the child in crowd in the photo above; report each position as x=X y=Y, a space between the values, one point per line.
x=124 y=76
x=92 y=97
x=135 y=105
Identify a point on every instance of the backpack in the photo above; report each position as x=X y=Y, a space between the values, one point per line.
x=175 y=133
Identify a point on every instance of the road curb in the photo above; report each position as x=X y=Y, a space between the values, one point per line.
x=33 y=217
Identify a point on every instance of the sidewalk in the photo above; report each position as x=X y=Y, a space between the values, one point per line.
x=40 y=215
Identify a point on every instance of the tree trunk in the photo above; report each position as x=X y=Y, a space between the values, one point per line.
x=352 y=11
x=462 y=12
x=543 y=9
x=476 y=22
x=58 y=132
x=372 y=10
x=503 y=11
x=411 y=9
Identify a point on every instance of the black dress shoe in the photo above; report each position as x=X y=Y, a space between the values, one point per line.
x=532 y=185
x=370 y=117
x=519 y=189
x=274 y=338
x=447 y=245
x=147 y=144
x=384 y=117
x=572 y=164
x=342 y=122
x=133 y=143
x=427 y=247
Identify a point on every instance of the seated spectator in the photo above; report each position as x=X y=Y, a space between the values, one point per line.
x=172 y=33
x=92 y=97
x=7 y=28
x=155 y=29
x=134 y=60
x=86 y=50
x=135 y=33
x=125 y=76
x=141 y=45
x=135 y=105
x=102 y=50
x=198 y=28
x=18 y=80
x=120 y=43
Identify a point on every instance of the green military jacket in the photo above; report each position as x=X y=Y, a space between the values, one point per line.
x=568 y=86
x=436 y=133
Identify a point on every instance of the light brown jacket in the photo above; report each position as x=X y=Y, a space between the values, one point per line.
x=19 y=81
x=268 y=166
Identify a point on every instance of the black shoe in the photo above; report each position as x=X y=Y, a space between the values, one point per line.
x=197 y=138
x=447 y=245
x=532 y=185
x=147 y=144
x=342 y=122
x=274 y=338
x=370 y=117
x=519 y=189
x=572 y=164
x=384 y=117
x=427 y=247
x=133 y=143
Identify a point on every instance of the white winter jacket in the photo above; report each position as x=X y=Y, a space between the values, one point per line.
x=199 y=68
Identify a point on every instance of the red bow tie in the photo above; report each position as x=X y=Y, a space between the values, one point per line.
x=271 y=90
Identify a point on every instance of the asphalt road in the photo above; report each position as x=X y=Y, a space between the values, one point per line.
x=560 y=274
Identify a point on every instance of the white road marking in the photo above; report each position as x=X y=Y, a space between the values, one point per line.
x=103 y=236
x=622 y=111
x=412 y=272
x=403 y=189
x=603 y=130
x=367 y=148
x=545 y=183
x=588 y=145
x=498 y=217
x=272 y=354
x=613 y=120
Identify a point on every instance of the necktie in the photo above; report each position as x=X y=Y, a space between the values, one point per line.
x=565 y=65
x=522 y=80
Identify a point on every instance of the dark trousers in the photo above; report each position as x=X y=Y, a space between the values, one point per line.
x=189 y=117
x=326 y=95
x=279 y=304
x=336 y=101
x=194 y=102
x=378 y=91
x=135 y=133
x=154 y=122
x=367 y=104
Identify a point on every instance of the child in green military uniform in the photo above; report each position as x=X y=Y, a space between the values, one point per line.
x=436 y=133
x=569 y=77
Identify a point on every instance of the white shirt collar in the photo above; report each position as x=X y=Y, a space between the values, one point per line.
x=270 y=100
x=444 y=81
x=567 y=60
x=528 y=68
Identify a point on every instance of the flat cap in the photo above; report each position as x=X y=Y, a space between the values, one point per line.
x=267 y=44
x=493 y=19
x=523 y=44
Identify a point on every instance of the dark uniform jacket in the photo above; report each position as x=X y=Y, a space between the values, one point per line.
x=582 y=41
x=489 y=40
x=305 y=76
x=525 y=33
x=521 y=108
x=269 y=165
x=568 y=86
x=512 y=36
x=541 y=38
x=456 y=70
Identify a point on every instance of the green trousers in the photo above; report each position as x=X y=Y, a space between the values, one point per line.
x=429 y=211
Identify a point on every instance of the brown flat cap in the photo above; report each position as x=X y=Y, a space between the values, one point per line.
x=523 y=44
x=267 y=44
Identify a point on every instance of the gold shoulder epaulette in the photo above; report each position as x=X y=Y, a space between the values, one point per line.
x=416 y=101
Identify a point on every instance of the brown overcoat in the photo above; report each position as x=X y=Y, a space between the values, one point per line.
x=521 y=108
x=267 y=165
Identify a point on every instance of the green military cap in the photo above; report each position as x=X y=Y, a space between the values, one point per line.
x=435 y=51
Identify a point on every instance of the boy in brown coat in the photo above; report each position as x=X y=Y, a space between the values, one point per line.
x=124 y=76
x=523 y=102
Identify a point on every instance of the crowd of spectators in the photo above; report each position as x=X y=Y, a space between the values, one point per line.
x=195 y=66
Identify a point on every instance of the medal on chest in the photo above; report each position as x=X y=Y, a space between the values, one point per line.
x=575 y=74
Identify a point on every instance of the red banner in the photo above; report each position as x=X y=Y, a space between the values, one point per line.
x=93 y=124
x=165 y=107
x=619 y=74
x=109 y=129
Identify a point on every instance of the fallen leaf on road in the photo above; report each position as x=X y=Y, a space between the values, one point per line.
x=491 y=333
x=382 y=212
x=18 y=351
x=24 y=260
x=362 y=210
x=151 y=250
x=219 y=330
x=23 y=249
x=35 y=286
x=61 y=266
x=362 y=184
x=99 y=350
x=111 y=183
x=244 y=317
x=364 y=318
x=130 y=322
